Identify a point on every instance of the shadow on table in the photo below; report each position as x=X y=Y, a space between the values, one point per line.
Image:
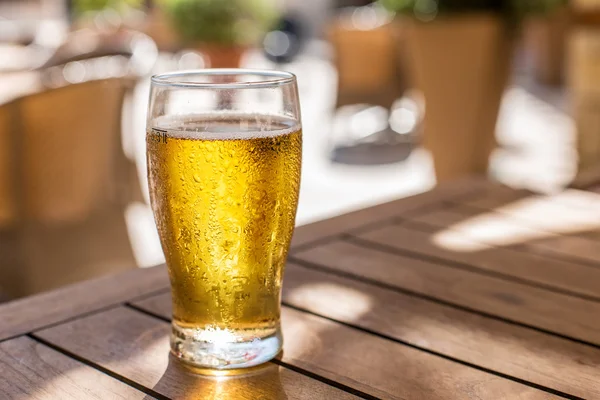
x=184 y=383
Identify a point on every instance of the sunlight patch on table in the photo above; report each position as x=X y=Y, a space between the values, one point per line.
x=530 y=219
x=351 y=304
x=341 y=302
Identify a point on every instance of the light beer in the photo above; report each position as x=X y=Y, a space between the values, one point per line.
x=224 y=190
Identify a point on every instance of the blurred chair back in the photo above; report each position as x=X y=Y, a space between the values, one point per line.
x=68 y=139
x=61 y=213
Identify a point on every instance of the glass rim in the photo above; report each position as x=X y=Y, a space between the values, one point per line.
x=272 y=78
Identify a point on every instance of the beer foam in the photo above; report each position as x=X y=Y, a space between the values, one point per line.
x=226 y=126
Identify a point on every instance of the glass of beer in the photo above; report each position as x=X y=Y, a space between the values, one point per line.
x=224 y=149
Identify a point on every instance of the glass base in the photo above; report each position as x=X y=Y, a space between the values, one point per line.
x=218 y=349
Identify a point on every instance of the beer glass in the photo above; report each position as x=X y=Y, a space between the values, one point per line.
x=224 y=149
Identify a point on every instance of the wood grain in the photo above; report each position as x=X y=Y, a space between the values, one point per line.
x=372 y=364
x=459 y=247
x=496 y=196
x=556 y=312
x=383 y=212
x=571 y=210
x=479 y=242
x=480 y=226
x=573 y=214
x=136 y=346
x=27 y=314
x=508 y=349
x=30 y=370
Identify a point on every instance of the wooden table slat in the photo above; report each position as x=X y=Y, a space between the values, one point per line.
x=528 y=305
x=355 y=358
x=496 y=196
x=455 y=246
x=33 y=371
x=571 y=210
x=27 y=314
x=502 y=230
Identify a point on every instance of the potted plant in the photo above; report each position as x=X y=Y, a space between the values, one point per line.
x=459 y=56
x=221 y=29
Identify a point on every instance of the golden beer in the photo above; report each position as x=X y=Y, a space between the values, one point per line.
x=224 y=193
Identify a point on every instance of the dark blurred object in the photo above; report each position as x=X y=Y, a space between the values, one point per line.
x=514 y=10
x=384 y=147
x=88 y=54
x=65 y=182
x=351 y=3
x=283 y=44
x=546 y=42
x=374 y=135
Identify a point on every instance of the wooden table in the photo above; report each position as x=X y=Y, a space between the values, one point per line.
x=471 y=291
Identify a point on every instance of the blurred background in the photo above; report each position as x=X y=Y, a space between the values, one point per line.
x=397 y=96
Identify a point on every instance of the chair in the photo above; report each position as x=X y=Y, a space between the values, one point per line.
x=62 y=190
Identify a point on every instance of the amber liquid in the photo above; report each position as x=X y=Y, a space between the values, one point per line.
x=224 y=193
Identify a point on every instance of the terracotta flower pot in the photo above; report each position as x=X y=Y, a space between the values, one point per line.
x=377 y=81
x=222 y=56
x=461 y=64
